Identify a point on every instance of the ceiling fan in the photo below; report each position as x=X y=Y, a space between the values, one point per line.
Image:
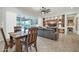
x=44 y=10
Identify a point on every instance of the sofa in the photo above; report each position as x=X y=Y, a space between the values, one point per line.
x=49 y=33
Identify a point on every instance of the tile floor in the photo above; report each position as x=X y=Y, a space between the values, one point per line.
x=69 y=43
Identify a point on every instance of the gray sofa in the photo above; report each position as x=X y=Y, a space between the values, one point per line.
x=48 y=33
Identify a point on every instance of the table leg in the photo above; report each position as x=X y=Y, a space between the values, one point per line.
x=11 y=42
x=18 y=45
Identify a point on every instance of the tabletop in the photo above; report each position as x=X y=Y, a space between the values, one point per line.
x=18 y=34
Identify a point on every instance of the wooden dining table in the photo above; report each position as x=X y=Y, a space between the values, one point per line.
x=17 y=37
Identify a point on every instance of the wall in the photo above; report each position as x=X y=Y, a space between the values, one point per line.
x=2 y=21
x=65 y=24
x=40 y=21
x=78 y=24
x=74 y=24
x=10 y=22
x=0 y=16
x=21 y=11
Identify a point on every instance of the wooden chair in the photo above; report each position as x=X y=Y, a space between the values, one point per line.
x=17 y=28
x=31 y=38
x=6 y=44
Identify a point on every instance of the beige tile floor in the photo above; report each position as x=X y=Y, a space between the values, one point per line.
x=69 y=43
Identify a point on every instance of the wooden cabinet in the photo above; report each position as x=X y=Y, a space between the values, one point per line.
x=49 y=22
x=58 y=21
x=61 y=22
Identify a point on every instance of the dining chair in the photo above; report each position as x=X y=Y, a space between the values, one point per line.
x=31 y=39
x=17 y=28
x=6 y=43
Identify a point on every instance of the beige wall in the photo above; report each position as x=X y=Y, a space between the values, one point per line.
x=40 y=21
x=10 y=22
x=77 y=24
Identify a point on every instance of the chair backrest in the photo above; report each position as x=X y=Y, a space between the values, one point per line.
x=4 y=36
x=17 y=28
x=32 y=35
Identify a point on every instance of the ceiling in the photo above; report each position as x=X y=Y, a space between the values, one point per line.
x=54 y=10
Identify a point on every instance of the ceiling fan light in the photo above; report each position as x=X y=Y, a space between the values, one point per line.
x=60 y=17
x=42 y=13
x=56 y=17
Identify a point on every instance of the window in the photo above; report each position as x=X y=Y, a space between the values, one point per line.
x=26 y=22
x=18 y=21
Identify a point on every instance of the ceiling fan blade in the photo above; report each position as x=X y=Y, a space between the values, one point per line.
x=48 y=10
x=44 y=10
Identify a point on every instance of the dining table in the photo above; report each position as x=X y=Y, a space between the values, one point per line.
x=16 y=37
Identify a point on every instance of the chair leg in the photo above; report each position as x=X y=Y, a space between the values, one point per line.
x=30 y=48
x=35 y=47
x=5 y=49
x=26 y=47
x=21 y=47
